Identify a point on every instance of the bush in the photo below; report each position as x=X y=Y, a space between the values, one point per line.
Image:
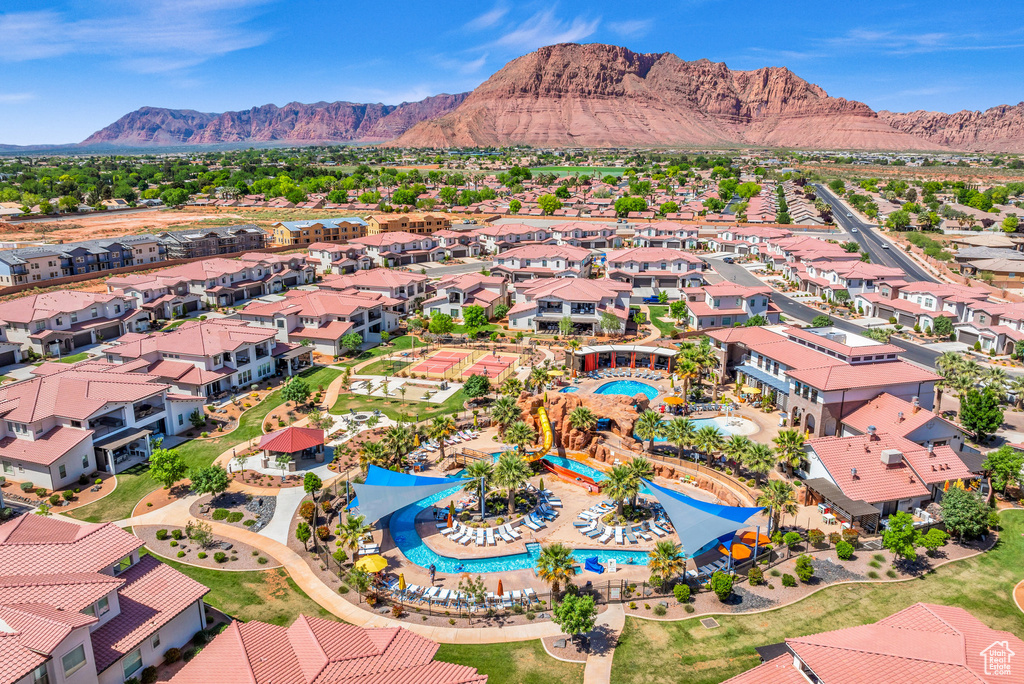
x=83 y=480
x=181 y=554
x=220 y=557
x=54 y=498
x=201 y=554
x=173 y=543
x=177 y=534
x=689 y=608
x=149 y=675
x=200 y=638
x=27 y=487
x=307 y=510
x=98 y=481
x=721 y=584
x=872 y=574
x=834 y=538
x=340 y=556
x=235 y=516
x=220 y=514
x=660 y=610
x=788 y=580
x=891 y=574
x=323 y=532
x=682 y=592
x=804 y=568
x=189 y=654
x=851 y=536
x=261 y=560
x=40 y=492
x=791 y=538
x=68 y=495
x=161 y=534
x=172 y=656
x=755 y=576
x=815 y=536
x=844 y=550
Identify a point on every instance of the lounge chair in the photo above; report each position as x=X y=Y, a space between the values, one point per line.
x=500 y=531
x=628 y=534
x=539 y=523
x=489 y=536
x=512 y=532
x=655 y=529
x=531 y=595
x=590 y=528
x=618 y=535
x=596 y=532
x=529 y=523
x=557 y=503
x=429 y=594
x=582 y=523
x=608 y=532
x=481 y=540
x=468 y=536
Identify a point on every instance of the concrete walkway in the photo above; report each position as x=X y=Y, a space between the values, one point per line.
x=602 y=645
x=288 y=500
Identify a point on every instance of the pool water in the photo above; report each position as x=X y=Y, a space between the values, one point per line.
x=720 y=423
x=568 y=390
x=628 y=388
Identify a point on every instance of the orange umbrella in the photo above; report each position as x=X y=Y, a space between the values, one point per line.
x=501 y=590
x=749 y=536
x=449 y=518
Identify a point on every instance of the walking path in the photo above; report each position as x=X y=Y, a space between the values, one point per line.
x=602 y=645
x=288 y=500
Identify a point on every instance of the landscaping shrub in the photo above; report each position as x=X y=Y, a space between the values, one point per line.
x=689 y=608
x=220 y=557
x=68 y=495
x=249 y=523
x=173 y=543
x=161 y=534
x=307 y=510
x=27 y=487
x=149 y=675
x=200 y=638
x=791 y=538
x=172 y=656
x=851 y=536
x=891 y=573
x=261 y=560
x=54 y=498
x=220 y=514
x=189 y=654
x=83 y=480
x=98 y=481
x=872 y=574
x=40 y=492
x=834 y=538
x=788 y=580
x=774 y=572
x=181 y=554
x=804 y=568
x=235 y=516
x=844 y=550
x=755 y=576
x=660 y=610
x=323 y=532
x=815 y=536
x=201 y=554
x=340 y=556
x=177 y=534
x=721 y=584
x=682 y=592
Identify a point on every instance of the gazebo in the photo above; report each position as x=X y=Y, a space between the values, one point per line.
x=296 y=442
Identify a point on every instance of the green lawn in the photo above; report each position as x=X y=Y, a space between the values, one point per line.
x=489 y=328
x=522 y=662
x=662 y=320
x=384 y=367
x=135 y=483
x=663 y=652
x=393 y=407
x=397 y=344
x=74 y=358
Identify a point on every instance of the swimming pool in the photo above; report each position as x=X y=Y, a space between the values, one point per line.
x=568 y=390
x=628 y=388
x=721 y=423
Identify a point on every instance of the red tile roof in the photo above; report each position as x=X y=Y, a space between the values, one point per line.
x=66 y=591
x=292 y=439
x=43 y=450
x=42 y=627
x=316 y=651
x=779 y=670
x=31 y=544
x=195 y=338
x=16 y=660
x=883 y=412
x=875 y=481
x=863 y=375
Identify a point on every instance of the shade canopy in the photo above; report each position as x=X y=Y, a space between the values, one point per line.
x=386 y=491
x=673 y=401
x=372 y=564
x=698 y=522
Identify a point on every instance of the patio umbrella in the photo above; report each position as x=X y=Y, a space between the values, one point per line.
x=501 y=590
x=401 y=582
x=739 y=551
x=749 y=536
x=449 y=518
x=556 y=373
x=373 y=563
x=751 y=390
x=674 y=401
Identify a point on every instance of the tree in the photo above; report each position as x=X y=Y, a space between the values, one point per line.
x=821 y=321
x=932 y=540
x=512 y=387
x=519 y=435
x=441 y=324
x=648 y=427
x=1010 y=223
x=504 y=411
x=610 y=323
x=500 y=311
x=351 y=342
x=476 y=475
x=303 y=532
x=371 y=453
x=804 y=568
x=943 y=326
x=625 y=205
x=555 y=565
x=440 y=429
x=200 y=532
x=721 y=584
x=980 y=412
x=677 y=310
x=759 y=459
x=448 y=194
x=476 y=386
x=680 y=432
x=789 y=448
x=475 y=318
x=666 y=560
x=1003 y=468
x=901 y=537
x=197 y=418
x=167 y=467
x=548 y=204
x=735 y=449
x=708 y=440
x=575 y=615
x=756 y=320
x=512 y=472
x=777 y=498
x=352 y=533
x=296 y=390
x=582 y=419
x=619 y=486
x=514 y=206
x=565 y=325
x=173 y=197
x=668 y=208
x=639 y=469
x=209 y=480
x=964 y=513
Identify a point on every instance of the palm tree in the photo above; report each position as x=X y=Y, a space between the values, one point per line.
x=648 y=427
x=680 y=432
x=666 y=560
x=686 y=371
x=555 y=565
x=398 y=443
x=512 y=387
x=620 y=486
x=790 y=449
x=759 y=459
x=352 y=532
x=736 y=448
x=1016 y=388
x=511 y=471
x=970 y=368
x=996 y=378
x=582 y=419
x=538 y=377
x=641 y=469
x=504 y=412
x=519 y=434
x=708 y=440
x=440 y=429
x=963 y=383
x=777 y=498
x=948 y=362
x=476 y=473
x=371 y=453
x=574 y=345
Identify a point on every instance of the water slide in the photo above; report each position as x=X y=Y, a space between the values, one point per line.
x=546 y=434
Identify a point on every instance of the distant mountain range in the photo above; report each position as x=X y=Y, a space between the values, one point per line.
x=592 y=96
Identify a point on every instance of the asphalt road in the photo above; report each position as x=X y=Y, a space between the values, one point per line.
x=737 y=274
x=867 y=237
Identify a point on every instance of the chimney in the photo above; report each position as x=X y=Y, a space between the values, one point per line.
x=871 y=433
x=899 y=416
x=916 y=404
x=891 y=457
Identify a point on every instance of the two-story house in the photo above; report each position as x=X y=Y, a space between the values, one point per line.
x=454 y=293
x=80 y=604
x=400 y=248
x=584 y=234
x=543 y=261
x=338 y=258
x=500 y=238
x=667 y=235
x=416 y=224
x=406 y=288
x=831 y=278
x=655 y=267
x=727 y=304
x=211 y=242
x=48 y=262
x=920 y=303
x=458 y=244
x=541 y=304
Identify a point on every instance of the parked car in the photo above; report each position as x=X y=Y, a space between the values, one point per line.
x=728 y=260
x=653 y=299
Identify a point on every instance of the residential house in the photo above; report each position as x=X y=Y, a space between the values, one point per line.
x=922 y=643
x=458 y=244
x=318 y=230
x=62 y=321
x=80 y=604
x=500 y=238
x=404 y=287
x=541 y=304
x=920 y=303
x=852 y=277
x=584 y=234
x=454 y=293
x=400 y=248
x=198 y=242
x=543 y=261
x=895 y=416
x=71 y=420
x=40 y=263
x=656 y=267
x=314 y=650
x=727 y=304
x=335 y=258
x=417 y=224
x=821 y=375
x=667 y=235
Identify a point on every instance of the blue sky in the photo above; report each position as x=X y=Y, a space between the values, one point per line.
x=69 y=68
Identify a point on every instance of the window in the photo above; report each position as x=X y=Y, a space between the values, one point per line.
x=132 y=663
x=181 y=419
x=8 y=467
x=104 y=605
x=155 y=641
x=63 y=471
x=73 y=661
x=122 y=565
x=40 y=675
x=90 y=610
x=85 y=461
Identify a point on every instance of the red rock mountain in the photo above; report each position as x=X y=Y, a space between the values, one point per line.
x=293 y=123
x=999 y=129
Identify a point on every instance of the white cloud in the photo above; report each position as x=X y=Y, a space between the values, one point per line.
x=487 y=19
x=16 y=98
x=632 y=28
x=544 y=28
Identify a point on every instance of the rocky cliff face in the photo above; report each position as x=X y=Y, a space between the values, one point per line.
x=999 y=129
x=293 y=123
x=603 y=95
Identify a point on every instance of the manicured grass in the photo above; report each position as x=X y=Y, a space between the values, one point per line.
x=397 y=344
x=662 y=320
x=489 y=328
x=521 y=662
x=135 y=483
x=74 y=358
x=384 y=367
x=266 y=595
x=393 y=407
x=663 y=652
x=177 y=322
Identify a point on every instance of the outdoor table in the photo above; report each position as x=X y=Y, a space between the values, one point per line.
x=829 y=518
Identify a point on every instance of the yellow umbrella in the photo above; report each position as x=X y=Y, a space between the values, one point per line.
x=372 y=564
x=401 y=582
x=556 y=373
x=751 y=390
x=673 y=401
